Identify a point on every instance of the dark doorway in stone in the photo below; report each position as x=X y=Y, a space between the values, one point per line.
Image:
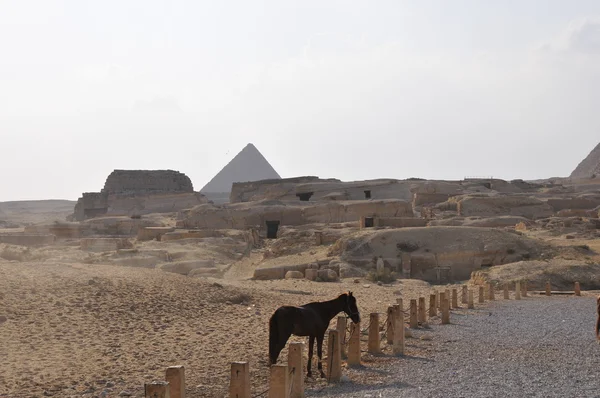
x=272 y=227
x=367 y=194
x=304 y=197
x=369 y=222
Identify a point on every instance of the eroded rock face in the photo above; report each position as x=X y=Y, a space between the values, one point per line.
x=496 y=205
x=590 y=166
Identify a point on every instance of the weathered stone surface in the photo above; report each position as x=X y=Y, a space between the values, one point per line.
x=65 y=230
x=119 y=225
x=151 y=233
x=294 y=275
x=577 y=213
x=184 y=267
x=525 y=206
x=245 y=215
x=27 y=239
x=487 y=222
x=147 y=181
x=401 y=222
x=327 y=275
x=104 y=244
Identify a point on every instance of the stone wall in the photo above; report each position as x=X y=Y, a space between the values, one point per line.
x=147 y=181
x=24 y=239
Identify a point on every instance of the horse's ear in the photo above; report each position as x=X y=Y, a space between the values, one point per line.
x=350 y=293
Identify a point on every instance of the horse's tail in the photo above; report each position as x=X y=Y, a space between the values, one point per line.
x=273 y=337
x=598 y=320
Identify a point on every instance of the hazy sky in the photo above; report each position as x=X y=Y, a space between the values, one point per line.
x=346 y=89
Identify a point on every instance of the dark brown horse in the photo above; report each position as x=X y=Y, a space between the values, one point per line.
x=310 y=320
x=598 y=319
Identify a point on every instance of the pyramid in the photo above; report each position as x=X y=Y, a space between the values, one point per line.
x=589 y=166
x=248 y=165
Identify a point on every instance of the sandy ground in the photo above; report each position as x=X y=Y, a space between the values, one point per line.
x=84 y=329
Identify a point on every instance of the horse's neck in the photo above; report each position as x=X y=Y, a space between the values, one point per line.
x=334 y=307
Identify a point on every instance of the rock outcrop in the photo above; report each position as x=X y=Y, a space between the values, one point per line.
x=590 y=166
x=497 y=205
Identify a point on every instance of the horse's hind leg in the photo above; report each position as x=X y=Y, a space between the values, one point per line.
x=320 y=353
x=311 y=343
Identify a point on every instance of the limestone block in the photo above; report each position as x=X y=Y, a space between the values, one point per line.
x=327 y=275
x=311 y=274
x=23 y=239
x=104 y=244
x=184 y=267
x=151 y=233
x=294 y=275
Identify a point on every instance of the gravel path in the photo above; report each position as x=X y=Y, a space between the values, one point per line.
x=536 y=347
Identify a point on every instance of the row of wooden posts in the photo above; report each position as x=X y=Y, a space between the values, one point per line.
x=287 y=381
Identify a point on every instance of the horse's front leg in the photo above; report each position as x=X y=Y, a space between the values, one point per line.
x=311 y=343
x=320 y=353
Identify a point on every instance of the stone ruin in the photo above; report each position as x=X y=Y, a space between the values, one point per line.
x=137 y=192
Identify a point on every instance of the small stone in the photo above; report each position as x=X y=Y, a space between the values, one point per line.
x=125 y=393
x=3 y=319
x=366 y=286
x=426 y=337
x=357 y=281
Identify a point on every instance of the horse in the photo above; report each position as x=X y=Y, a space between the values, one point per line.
x=310 y=320
x=598 y=319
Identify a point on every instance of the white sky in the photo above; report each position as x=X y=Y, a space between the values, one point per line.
x=346 y=89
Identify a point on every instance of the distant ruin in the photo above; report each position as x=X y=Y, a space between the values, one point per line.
x=136 y=192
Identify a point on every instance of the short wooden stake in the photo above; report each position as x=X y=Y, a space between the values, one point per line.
x=157 y=389
x=334 y=357
x=492 y=293
x=279 y=386
x=374 y=343
x=389 y=332
x=438 y=302
x=295 y=364
x=341 y=328
x=422 y=316
x=454 y=298
x=175 y=376
x=398 y=343
x=471 y=305
x=414 y=323
x=448 y=296
x=524 y=289
x=465 y=294
x=354 y=344
x=548 y=291
x=432 y=306
x=506 y=296
x=445 y=311
x=577 y=289
x=481 y=294
x=518 y=290
x=239 y=383
x=441 y=302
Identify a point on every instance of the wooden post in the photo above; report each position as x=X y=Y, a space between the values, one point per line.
x=506 y=296
x=471 y=305
x=175 y=376
x=239 y=383
x=491 y=292
x=577 y=289
x=448 y=296
x=295 y=365
x=398 y=327
x=548 y=290
x=354 y=344
x=441 y=302
x=389 y=325
x=438 y=302
x=465 y=294
x=454 y=298
x=432 y=307
x=481 y=294
x=157 y=389
x=279 y=386
x=374 y=346
x=518 y=290
x=524 y=289
x=445 y=311
x=341 y=329
x=414 y=323
x=334 y=357
x=422 y=316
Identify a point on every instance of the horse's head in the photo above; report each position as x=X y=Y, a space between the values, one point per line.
x=350 y=307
